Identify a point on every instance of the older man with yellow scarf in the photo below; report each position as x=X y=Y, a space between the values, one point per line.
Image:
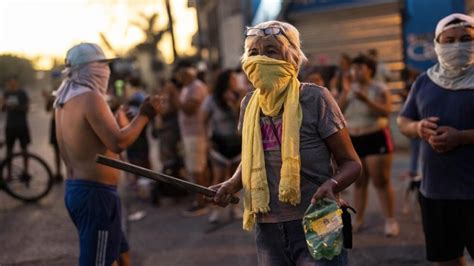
x=290 y=131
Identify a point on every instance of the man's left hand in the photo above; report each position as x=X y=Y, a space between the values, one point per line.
x=447 y=139
x=326 y=190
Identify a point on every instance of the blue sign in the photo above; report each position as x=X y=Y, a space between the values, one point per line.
x=323 y=5
x=420 y=19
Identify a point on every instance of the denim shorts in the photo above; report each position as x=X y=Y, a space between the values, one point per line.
x=284 y=244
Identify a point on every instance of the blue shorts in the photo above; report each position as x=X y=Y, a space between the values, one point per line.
x=95 y=210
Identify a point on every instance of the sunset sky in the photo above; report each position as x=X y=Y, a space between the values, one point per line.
x=44 y=30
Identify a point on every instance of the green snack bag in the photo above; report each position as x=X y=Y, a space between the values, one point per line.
x=322 y=225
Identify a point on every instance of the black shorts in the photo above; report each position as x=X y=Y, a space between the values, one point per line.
x=379 y=142
x=227 y=146
x=22 y=134
x=448 y=227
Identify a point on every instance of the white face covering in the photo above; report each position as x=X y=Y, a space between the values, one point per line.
x=82 y=79
x=455 y=56
x=455 y=69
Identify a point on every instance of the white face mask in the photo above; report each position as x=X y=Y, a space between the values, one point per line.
x=455 y=56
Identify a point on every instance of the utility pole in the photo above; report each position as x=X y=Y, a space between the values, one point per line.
x=170 y=28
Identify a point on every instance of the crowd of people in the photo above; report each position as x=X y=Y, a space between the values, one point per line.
x=284 y=143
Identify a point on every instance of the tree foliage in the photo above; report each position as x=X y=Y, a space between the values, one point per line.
x=11 y=65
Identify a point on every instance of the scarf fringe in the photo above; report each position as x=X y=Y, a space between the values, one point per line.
x=261 y=209
x=248 y=220
x=292 y=196
x=250 y=217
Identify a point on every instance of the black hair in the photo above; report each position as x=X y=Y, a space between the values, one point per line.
x=201 y=75
x=455 y=21
x=221 y=86
x=365 y=60
x=183 y=63
x=135 y=82
x=373 y=52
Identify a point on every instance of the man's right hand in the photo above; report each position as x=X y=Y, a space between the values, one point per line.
x=225 y=191
x=151 y=106
x=427 y=127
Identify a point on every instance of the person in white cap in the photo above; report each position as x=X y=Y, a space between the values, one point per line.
x=440 y=110
x=85 y=127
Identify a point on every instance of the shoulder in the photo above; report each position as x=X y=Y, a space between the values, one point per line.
x=210 y=101
x=91 y=99
x=197 y=84
x=313 y=92
x=422 y=80
x=246 y=99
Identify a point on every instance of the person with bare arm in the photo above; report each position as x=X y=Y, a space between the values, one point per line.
x=290 y=131
x=85 y=127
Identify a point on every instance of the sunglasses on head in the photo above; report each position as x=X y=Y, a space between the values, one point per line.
x=265 y=32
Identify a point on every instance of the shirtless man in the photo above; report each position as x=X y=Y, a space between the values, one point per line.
x=86 y=127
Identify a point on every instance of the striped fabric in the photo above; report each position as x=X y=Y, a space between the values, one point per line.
x=101 y=248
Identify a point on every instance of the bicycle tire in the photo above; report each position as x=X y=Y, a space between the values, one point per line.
x=17 y=194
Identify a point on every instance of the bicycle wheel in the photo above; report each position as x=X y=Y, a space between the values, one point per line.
x=30 y=185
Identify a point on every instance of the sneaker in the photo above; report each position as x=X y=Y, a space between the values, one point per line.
x=214 y=217
x=392 y=228
x=196 y=210
x=136 y=216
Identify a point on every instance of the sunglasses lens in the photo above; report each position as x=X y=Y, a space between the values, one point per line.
x=252 y=32
x=272 y=31
x=263 y=32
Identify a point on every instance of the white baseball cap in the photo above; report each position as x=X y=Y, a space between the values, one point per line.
x=84 y=53
x=443 y=23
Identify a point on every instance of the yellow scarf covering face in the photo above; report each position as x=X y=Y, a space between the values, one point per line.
x=276 y=86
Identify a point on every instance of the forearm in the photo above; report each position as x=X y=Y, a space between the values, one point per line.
x=408 y=127
x=379 y=108
x=236 y=179
x=467 y=137
x=348 y=172
x=130 y=133
x=122 y=120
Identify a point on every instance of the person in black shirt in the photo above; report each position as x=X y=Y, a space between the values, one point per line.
x=15 y=104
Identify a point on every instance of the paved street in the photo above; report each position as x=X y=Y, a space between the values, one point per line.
x=42 y=234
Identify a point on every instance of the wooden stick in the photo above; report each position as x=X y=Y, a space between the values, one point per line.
x=140 y=171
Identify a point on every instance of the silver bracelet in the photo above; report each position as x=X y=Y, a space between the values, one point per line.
x=334 y=181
